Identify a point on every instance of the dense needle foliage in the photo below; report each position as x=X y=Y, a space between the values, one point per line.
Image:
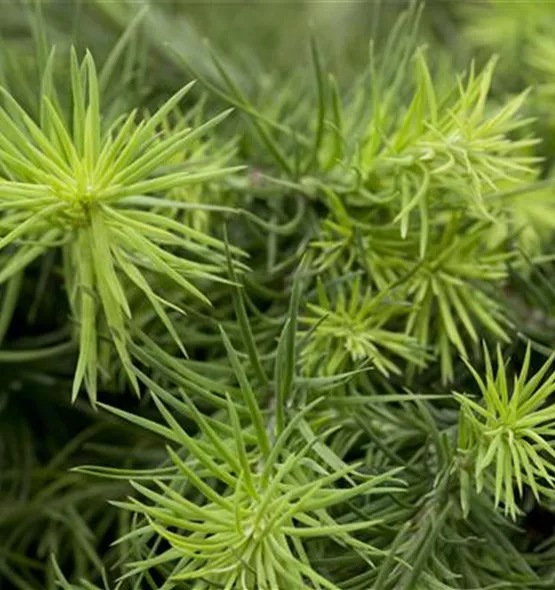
x=276 y=295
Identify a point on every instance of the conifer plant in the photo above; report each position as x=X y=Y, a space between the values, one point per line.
x=273 y=316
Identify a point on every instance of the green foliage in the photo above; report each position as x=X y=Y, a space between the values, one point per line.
x=510 y=431
x=356 y=330
x=291 y=256
x=246 y=501
x=449 y=151
x=459 y=285
x=508 y=30
x=84 y=188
